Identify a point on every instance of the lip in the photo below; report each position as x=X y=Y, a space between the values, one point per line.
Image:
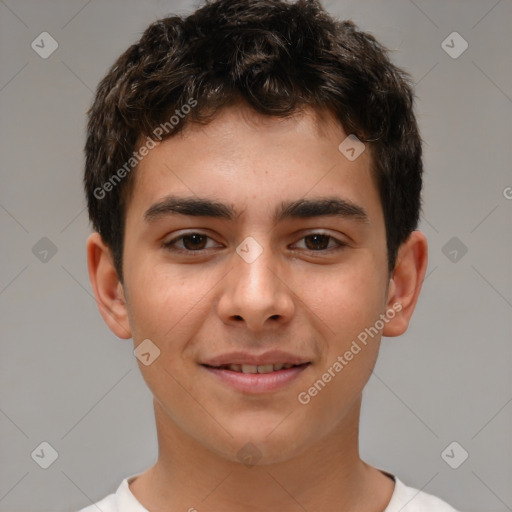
x=270 y=357
x=257 y=383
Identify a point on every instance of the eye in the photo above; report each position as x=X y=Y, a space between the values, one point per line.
x=319 y=242
x=197 y=242
x=191 y=242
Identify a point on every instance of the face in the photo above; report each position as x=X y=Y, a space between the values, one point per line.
x=261 y=271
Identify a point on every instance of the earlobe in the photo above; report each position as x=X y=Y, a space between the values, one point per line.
x=108 y=290
x=405 y=285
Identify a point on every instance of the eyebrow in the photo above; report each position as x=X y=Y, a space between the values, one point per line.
x=299 y=209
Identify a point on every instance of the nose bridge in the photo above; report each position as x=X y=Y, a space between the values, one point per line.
x=254 y=291
x=254 y=276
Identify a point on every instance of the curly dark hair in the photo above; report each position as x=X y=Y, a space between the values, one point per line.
x=278 y=57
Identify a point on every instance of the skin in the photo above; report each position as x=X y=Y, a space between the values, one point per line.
x=309 y=302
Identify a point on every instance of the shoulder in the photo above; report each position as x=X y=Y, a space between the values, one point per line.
x=121 y=501
x=409 y=499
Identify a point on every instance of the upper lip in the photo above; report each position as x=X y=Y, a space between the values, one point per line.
x=271 y=357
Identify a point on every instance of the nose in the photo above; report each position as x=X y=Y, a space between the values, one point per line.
x=257 y=293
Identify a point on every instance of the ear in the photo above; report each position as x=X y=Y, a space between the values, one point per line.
x=107 y=288
x=406 y=281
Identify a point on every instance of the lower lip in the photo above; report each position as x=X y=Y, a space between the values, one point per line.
x=258 y=382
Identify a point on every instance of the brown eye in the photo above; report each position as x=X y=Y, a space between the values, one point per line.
x=317 y=242
x=194 y=241
x=191 y=242
x=320 y=242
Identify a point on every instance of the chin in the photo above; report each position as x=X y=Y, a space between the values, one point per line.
x=261 y=443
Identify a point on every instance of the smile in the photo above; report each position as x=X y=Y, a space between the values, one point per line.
x=256 y=379
x=251 y=368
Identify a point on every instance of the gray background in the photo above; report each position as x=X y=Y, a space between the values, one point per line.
x=67 y=380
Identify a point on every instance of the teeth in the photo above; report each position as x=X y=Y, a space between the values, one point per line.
x=251 y=368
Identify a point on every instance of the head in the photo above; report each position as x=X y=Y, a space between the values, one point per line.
x=277 y=57
x=245 y=103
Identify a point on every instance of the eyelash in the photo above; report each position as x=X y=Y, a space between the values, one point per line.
x=170 y=246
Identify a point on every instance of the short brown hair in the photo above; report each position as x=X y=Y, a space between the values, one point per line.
x=278 y=57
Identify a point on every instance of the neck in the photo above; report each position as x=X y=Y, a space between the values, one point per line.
x=328 y=475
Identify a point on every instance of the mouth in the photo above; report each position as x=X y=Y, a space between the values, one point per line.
x=251 y=379
x=252 y=368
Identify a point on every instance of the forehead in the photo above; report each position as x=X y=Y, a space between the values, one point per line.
x=248 y=158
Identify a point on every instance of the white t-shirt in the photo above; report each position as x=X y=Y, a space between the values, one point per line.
x=404 y=499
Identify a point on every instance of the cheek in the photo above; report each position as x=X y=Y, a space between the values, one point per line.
x=346 y=303
x=164 y=309
x=158 y=300
x=168 y=306
x=346 y=300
